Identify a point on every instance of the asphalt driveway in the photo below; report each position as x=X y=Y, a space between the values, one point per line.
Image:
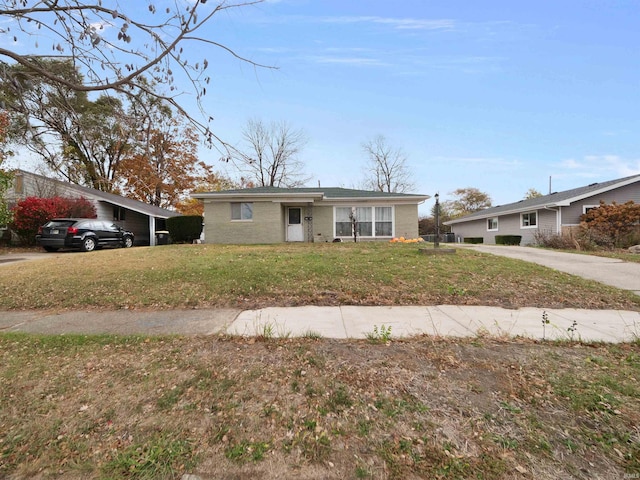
x=610 y=271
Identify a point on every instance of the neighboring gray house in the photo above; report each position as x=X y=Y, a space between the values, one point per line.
x=142 y=219
x=275 y=215
x=552 y=214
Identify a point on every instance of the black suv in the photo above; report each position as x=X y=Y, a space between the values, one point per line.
x=87 y=234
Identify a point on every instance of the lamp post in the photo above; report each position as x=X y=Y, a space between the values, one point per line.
x=436 y=242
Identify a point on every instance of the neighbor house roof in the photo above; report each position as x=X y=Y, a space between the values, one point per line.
x=556 y=199
x=328 y=193
x=118 y=200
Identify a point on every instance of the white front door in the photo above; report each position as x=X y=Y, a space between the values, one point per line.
x=295 y=232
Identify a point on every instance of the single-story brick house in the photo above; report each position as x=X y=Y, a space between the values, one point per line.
x=275 y=215
x=551 y=214
x=142 y=219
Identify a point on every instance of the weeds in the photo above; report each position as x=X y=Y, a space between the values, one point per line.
x=158 y=458
x=572 y=330
x=545 y=322
x=381 y=335
x=243 y=452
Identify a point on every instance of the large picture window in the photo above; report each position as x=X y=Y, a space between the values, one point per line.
x=241 y=211
x=343 y=222
x=371 y=222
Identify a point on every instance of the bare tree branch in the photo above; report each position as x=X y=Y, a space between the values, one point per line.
x=114 y=46
x=270 y=155
x=386 y=169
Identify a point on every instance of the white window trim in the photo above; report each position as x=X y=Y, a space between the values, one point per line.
x=585 y=207
x=373 y=223
x=497 y=224
x=524 y=227
x=241 y=220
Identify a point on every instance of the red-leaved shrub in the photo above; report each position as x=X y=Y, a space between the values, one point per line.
x=32 y=212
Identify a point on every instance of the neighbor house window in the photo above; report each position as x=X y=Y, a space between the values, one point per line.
x=118 y=214
x=492 y=224
x=586 y=208
x=370 y=221
x=241 y=211
x=529 y=219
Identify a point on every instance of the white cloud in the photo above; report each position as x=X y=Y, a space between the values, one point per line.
x=398 y=23
x=598 y=166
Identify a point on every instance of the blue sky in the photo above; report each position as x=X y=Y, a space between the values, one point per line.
x=497 y=95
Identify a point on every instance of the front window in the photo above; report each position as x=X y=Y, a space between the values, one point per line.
x=384 y=222
x=343 y=221
x=370 y=222
x=529 y=219
x=241 y=211
x=492 y=224
x=364 y=221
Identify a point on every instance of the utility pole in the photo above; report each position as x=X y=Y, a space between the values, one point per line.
x=436 y=241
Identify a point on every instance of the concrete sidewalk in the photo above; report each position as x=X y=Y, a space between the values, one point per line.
x=339 y=322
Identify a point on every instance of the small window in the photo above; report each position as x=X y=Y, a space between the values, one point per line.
x=492 y=224
x=241 y=211
x=118 y=214
x=529 y=220
x=587 y=208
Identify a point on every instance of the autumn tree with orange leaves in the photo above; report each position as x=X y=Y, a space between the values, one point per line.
x=164 y=166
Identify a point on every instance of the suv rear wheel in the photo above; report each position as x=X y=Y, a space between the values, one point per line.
x=88 y=244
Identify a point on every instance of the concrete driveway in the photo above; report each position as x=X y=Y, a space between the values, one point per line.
x=610 y=271
x=13 y=257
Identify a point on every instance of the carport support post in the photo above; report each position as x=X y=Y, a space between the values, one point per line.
x=436 y=241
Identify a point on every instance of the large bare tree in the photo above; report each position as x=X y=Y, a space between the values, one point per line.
x=270 y=154
x=115 y=44
x=386 y=169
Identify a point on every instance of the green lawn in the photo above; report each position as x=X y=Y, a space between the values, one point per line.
x=285 y=275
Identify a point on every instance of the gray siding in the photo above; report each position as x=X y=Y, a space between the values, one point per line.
x=571 y=214
x=507 y=225
x=475 y=228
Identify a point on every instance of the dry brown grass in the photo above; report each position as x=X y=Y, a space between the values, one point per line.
x=108 y=407
x=184 y=276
